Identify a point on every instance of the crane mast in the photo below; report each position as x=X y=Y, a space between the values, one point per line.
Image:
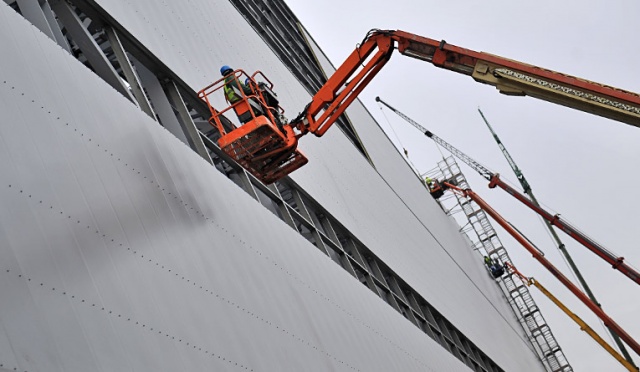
x=523 y=181
x=527 y=190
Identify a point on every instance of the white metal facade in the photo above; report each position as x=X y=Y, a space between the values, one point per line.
x=122 y=249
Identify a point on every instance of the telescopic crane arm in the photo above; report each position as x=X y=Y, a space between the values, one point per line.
x=554 y=219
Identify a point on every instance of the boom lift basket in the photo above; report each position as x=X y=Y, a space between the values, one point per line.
x=263 y=144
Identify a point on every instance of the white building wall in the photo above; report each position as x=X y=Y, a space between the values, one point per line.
x=121 y=249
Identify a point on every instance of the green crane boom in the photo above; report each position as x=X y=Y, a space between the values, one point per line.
x=512 y=163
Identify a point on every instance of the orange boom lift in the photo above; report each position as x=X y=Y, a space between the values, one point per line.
x=270 y=153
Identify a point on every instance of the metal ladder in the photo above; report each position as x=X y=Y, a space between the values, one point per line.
x=486 y=241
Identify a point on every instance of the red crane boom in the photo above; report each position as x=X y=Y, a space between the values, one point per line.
x=616 y=262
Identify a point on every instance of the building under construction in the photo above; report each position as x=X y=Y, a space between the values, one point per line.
x=130 y=241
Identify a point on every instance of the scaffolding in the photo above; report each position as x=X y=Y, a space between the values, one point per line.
x=485 y=239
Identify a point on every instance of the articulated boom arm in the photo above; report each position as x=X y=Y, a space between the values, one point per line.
x=343 y=87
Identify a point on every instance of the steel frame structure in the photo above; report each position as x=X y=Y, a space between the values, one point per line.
x=515 y=290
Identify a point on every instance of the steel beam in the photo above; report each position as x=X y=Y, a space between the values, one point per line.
x=55 y=27
x=32 y=11
x=89 y=47
x=39 y=13
x=130 y=74
x=243 y=178
x=304 y=212
x=161 y=104
x=286 y=216
x=188 y=126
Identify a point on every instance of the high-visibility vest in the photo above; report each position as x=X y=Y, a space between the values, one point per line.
x=231 y=82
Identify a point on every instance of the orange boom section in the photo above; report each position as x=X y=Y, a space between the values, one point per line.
x=262 y=144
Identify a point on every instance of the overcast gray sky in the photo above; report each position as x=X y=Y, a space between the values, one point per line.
x=585 y=167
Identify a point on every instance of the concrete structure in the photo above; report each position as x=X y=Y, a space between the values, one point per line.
x=129 y=242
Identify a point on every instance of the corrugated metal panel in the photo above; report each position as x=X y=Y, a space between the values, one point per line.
x=121 y=249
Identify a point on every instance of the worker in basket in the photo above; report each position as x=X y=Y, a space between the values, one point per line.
x=435 y=188
x=232 y=85
x=497 y=270
x=235 y=90
x=494 y=266
x=428 y=181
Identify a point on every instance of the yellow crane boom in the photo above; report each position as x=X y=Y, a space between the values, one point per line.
x=583 y=326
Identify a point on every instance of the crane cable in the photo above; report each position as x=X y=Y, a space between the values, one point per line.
x=404 y=149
